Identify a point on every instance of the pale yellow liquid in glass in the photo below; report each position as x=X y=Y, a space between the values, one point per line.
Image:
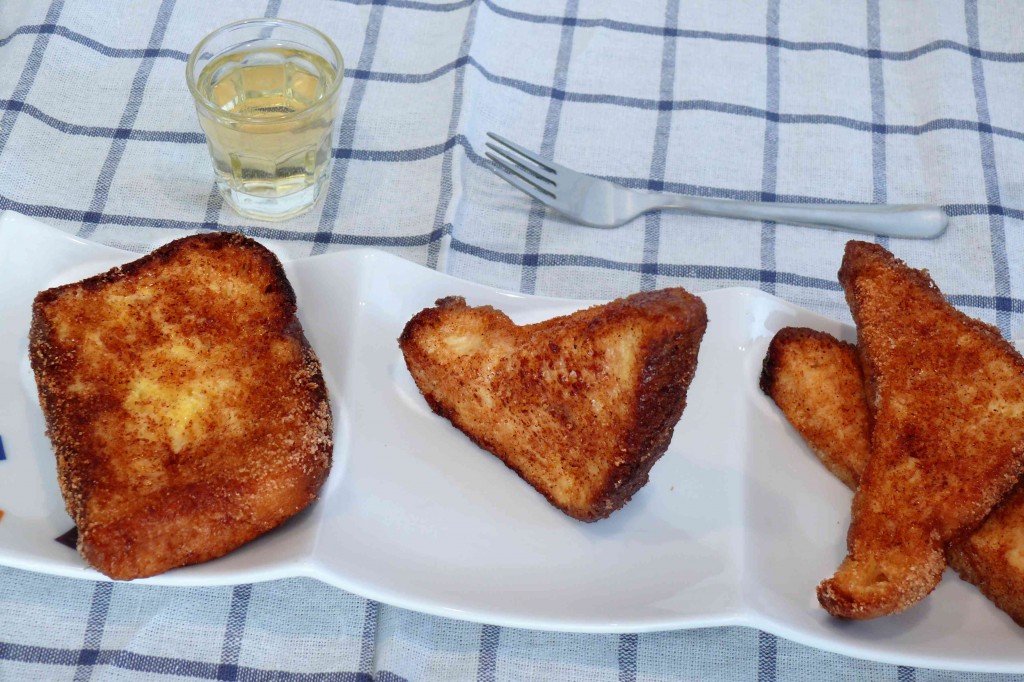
x=271 y=137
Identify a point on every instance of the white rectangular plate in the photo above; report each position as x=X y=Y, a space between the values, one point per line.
x=737 y=525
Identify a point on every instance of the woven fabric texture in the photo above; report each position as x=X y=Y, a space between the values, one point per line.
x=776 y=100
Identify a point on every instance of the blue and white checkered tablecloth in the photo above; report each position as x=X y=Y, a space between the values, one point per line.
x=791 y=100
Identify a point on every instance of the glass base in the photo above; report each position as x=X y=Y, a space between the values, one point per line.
x=273 y=208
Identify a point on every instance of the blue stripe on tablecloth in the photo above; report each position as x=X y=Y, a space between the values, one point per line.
x=415 y=78
x=876 y=74
x=997 y=231
x=368 y=645
x=85 y=41
x=28 y=74
x=61 y=213
x=629 y=645
x=234 y=630
x=3 y=453
x=402 y=155
x=767 y=657
x=659 y=155
x=717 y=273
x=19 y=104
x=535 y=219
x=445 y=192
x=877 y=78
x=131 y=110
x=628 y=27
x=89 y=653
x=174 y=667
x=796 y=45
x=935 y=125
x=487 y=666
x=769 y=164
x=91 y=646
x=101 y=131
x=706 y=272
x=188 y=137
x=24 y=653
x=346 y=135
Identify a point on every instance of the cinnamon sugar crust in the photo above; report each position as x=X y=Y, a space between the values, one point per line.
x=992 y=557
x=187 y=411
x=580 y=406
x=815 y=380
x=946 y=397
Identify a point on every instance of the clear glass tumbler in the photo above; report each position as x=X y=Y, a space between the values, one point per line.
x=266 y=91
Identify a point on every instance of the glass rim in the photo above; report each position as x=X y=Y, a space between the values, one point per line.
x=205 y=103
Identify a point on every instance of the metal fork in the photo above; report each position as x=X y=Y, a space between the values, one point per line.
x=599 y=203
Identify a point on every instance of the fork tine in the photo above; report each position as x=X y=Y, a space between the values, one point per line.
x=530 y=168
x=549 y=166
x=520 y=182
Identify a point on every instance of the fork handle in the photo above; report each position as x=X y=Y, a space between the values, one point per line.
x=921 y=221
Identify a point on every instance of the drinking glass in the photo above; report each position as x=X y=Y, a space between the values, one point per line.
x=266 y=92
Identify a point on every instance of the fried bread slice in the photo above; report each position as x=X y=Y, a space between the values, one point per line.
x=579 y=406
x=816 y=382
x=187 y=411
x=946 y=395
x=992 y=557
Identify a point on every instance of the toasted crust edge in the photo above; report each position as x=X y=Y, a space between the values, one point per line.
x=669 y=377
x=862 y=258
x=773 y=365
x=61 y=433
x=633 y=473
